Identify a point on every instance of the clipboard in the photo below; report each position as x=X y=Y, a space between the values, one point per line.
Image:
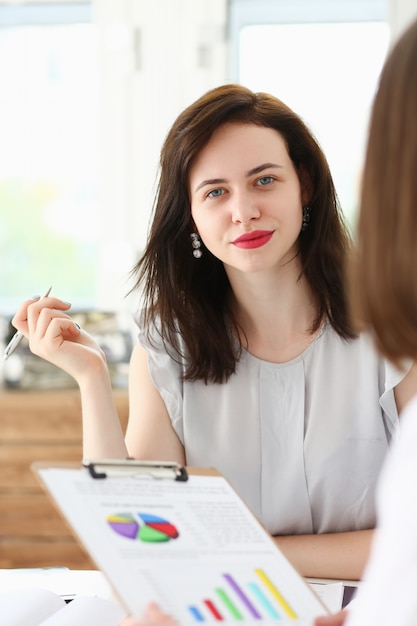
x=180 y=537
x=112 y=467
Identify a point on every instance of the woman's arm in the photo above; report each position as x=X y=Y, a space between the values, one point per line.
x=335 y=555
x=406 y=389
x=54 y=336
x=103 y=437
x=149 y=433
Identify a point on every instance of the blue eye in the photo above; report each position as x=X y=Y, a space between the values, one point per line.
x=215 y=193
x=264 y=180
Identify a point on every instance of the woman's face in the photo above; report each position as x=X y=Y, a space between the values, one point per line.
x=246 y=198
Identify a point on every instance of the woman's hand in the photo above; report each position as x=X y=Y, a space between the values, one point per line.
x=153 y=617
x=55 y=337
x=337 y=619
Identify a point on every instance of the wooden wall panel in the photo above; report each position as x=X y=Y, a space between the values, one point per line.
x=15 y=461
x=40 y=416
x=31 y=515
x=39 y=426
x=39 y=552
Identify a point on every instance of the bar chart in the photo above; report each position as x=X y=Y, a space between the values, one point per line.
x=256 y=598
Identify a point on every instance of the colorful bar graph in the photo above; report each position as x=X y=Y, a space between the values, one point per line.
x=196 y=614
x=276 y=594
x=261 y=597
x=230 y=606
x=215 y=613
x=242 y=596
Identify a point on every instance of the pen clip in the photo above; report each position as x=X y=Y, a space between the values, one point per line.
x=100 y=469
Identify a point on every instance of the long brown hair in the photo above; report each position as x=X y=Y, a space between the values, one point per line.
x=384 y=286
x=189 y=297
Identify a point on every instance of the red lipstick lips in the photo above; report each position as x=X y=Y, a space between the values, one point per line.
x=254 y=239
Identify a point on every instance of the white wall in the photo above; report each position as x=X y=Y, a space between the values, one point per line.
x=156 y=58
x=401 y=13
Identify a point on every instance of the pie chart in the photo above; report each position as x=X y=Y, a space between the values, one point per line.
x=143 y=527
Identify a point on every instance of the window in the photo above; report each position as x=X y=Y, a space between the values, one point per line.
x=49 y=152
x=323 y=59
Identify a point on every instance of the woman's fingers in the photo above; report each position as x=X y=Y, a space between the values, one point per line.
x=26 y=316
x=39 y=324
x=153 y=617
x=20 y=318
x=337 y=619
x=45 y=308
x=52 y=330
x=156 y=616
x=54 y=336
x=46 y=319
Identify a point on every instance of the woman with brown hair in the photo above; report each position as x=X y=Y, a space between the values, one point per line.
x=247 y=359
x=384 y=291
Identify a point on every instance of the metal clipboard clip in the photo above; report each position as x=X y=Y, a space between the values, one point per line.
x=156 y=469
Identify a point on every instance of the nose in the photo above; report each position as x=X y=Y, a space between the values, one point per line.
x=244 y=209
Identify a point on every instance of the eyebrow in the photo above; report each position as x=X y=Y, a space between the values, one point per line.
x=251 y=172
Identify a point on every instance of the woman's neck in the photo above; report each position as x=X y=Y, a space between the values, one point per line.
x=275 y=314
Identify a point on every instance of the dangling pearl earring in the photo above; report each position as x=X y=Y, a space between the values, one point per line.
x=196 y=244
x=306 y=217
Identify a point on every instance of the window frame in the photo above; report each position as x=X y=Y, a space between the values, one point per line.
x=248 y=13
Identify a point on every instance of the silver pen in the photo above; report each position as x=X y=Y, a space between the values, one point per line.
x=17 y=337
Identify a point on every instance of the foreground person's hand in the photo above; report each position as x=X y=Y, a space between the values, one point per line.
x=336 y=619
x=153 y=617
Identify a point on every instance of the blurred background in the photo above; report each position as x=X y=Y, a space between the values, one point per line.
x=88 y=91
